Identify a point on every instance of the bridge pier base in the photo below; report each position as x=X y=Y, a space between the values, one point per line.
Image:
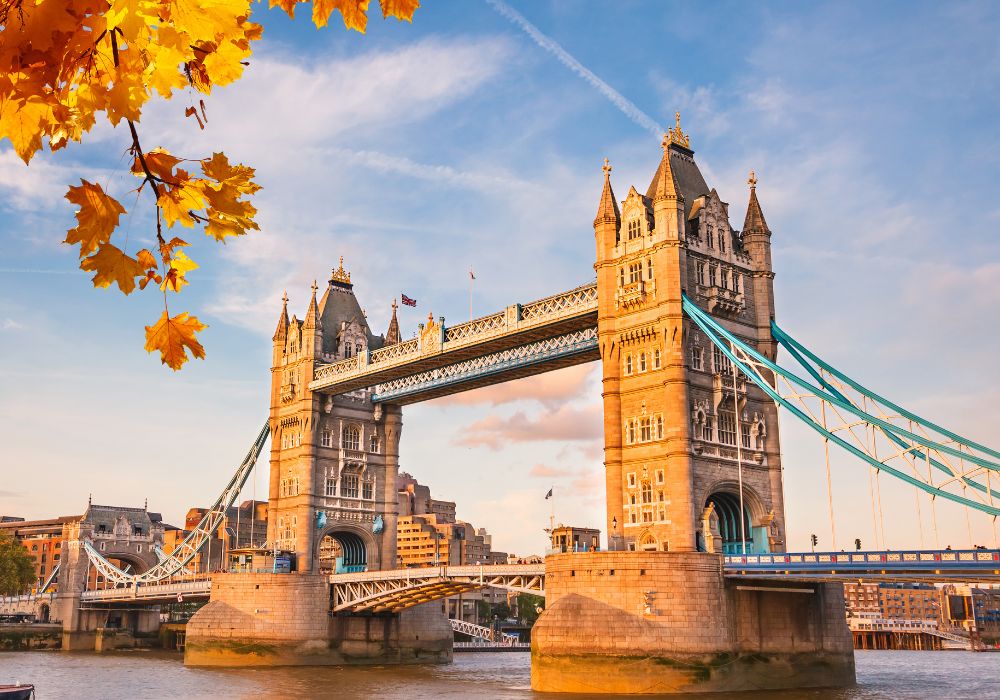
x=284 y=620
x=665 y=622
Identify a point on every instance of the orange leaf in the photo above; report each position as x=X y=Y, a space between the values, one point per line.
x=353 y=11
x=96 y=219
x=173 y=336
x=400 y=9
x=24 y=122
x=112 y=265
x=180 y=265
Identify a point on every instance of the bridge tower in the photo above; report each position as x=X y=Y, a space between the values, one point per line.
x=334 y=459
x=676 y=419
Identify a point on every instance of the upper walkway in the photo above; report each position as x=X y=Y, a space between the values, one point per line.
x=521 y=340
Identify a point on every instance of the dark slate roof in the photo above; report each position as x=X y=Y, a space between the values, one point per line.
x=686 y=174
x=339 y=304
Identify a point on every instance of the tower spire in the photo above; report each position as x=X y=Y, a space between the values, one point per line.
x=392 y=335
x=664 y=185
x=282 y=331
x=754 y=222
x=312 y=313
x=608 y=208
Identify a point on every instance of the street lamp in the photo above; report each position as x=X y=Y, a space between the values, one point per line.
x=612 y=543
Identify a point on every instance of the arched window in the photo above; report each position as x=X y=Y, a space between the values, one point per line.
x=708 y=236
x=628 y=364
x=634 y=228
x=347 y=350
x=722 y=241
x=736 y=282
x=647 y=492
x=621 y=276
x=351 y=438
x=642 y=362
x=659 y=427
x=373 y=443
x=649 y=268
x=656 y=358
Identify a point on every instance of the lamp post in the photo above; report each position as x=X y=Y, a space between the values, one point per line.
x=613 y=539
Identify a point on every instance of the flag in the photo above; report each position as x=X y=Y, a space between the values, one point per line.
x=472 y=275
x=407 y=301
x=548 y=495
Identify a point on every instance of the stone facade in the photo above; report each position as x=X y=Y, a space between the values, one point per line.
x=676 y=420
x=667 y=622
x=334 y=459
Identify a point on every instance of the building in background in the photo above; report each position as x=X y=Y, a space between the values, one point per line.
x=975 y=609
x=243 y=526
x=567 y=538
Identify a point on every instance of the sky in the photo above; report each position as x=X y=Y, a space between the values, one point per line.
x=474 y=138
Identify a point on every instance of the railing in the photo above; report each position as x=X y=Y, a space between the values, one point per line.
x=150 y=591
x=337 y=369
x=394 y=352
x=476 y=329
x=560 y=304
x=979 y=563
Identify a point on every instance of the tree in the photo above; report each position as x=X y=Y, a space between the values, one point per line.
x=65 y=63
x=17 y=568
x=528 y=607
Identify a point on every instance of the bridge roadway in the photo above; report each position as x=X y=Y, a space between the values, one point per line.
x=398 y=589
x=519 y=341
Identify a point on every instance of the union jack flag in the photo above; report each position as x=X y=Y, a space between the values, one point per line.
x=407 y=301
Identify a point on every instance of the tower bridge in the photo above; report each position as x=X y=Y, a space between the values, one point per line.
x=682 y=319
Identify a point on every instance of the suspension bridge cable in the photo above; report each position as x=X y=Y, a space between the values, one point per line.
x=878 y=484
x=930 y=477
x=829 y=480
x=739 y=460
x=713 y=330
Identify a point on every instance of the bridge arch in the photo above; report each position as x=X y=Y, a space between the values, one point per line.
x=346 y=548
x=721 y=520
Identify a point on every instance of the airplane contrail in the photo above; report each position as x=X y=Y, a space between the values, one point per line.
x=615 y=97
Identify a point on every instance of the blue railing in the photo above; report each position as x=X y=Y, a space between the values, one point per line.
x=923 y=561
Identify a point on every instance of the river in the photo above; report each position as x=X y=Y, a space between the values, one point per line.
x=941 y=675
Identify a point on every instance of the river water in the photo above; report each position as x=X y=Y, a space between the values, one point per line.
x=940 y=675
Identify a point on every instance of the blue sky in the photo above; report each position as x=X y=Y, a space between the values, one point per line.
x=419 y=150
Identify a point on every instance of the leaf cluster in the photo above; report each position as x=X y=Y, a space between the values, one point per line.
x=64 y=64
x=17 y=568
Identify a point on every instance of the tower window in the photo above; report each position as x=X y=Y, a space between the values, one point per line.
x=635 y=272
x=659 y=433
x=331 y=486
x=326 y=440
x=727 y=427
x=712 y=275
x=722 y=364
x=745 y=434
x=697 y=358
x=736 y=282
x=634 y=229
x=373 y=443
x=647 y=492
x=659 y=480
x=642 y=362
x=701 y=273
x=708 y=237
x=645 y=430
x=706 y=429
x=621 y=276
x=722 y=241
x=649 y=268
x=631 y=480
x=351 y=438
x=656 y=358
x=349 y=486
x=628 y=364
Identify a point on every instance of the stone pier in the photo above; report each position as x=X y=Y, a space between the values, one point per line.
x=284 y=620
x=665 y=622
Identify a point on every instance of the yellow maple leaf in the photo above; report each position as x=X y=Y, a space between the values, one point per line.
x=225 y=64
x=239 y=176
x=111 y=264
x=400 y=9
x=173 y=337
x=180 y=265
x=354 y=13
x=178 y=201
x=161 y=164
x=96 y=219
x=24 y=122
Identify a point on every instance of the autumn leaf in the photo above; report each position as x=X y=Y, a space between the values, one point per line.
x=180 y=265
x=353 y=12
x=400 y=9
x=148 y=263
x=111 y=265
x=23 y=122
x=96 y=219
x=173 y=337
x=178 y=201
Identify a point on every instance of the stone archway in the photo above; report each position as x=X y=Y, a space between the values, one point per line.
x=722 y=521
x=43 y=612
x=345 y=549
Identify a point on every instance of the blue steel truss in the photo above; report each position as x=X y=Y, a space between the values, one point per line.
x=562 y=346
x=862 y=422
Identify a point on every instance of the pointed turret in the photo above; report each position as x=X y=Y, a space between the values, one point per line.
x=312 y=321
x=392 y=334
x=754 y=222
x=282 y=331
x=664 y=185
x=608 y=211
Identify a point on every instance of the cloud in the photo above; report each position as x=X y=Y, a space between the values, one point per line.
x=564 y=424
x=616 y=98
x=551 y=389
x=545 y=472
x=9 y=324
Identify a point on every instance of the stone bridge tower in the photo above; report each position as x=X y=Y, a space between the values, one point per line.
x=334 y=459
x=675 y=421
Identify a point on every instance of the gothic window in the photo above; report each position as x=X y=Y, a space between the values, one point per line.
x=631 y=499
x=721 y=363
x=373 y=443
x=647 y=517
x=724 y=278
x=727 y=427
x=367 y=490
x=634 y=272
x=722 y=241
x=701 y=273
x=736 y=282
x=347 y=350
x=659 y=427
x=631 y=480
x=645 y=430
x=351 y=438
x=712 y=275
x=659 y=497
x=706 y=429
x=621 y=276
x=631 y=432
x=284 y=440
x=628 y=364
x=358 y=348
x=656 y=358
x=331 y=486
x=295 y=345
x=349 y=486
x=659 y=480
x=295 y=485
x=697 y=358
x=745 y=434
x=708 y=237
x=649 y=268
x=647 y=492
x=326 y=440
x=632 y=545
x=634 y=228
x=642 y=362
